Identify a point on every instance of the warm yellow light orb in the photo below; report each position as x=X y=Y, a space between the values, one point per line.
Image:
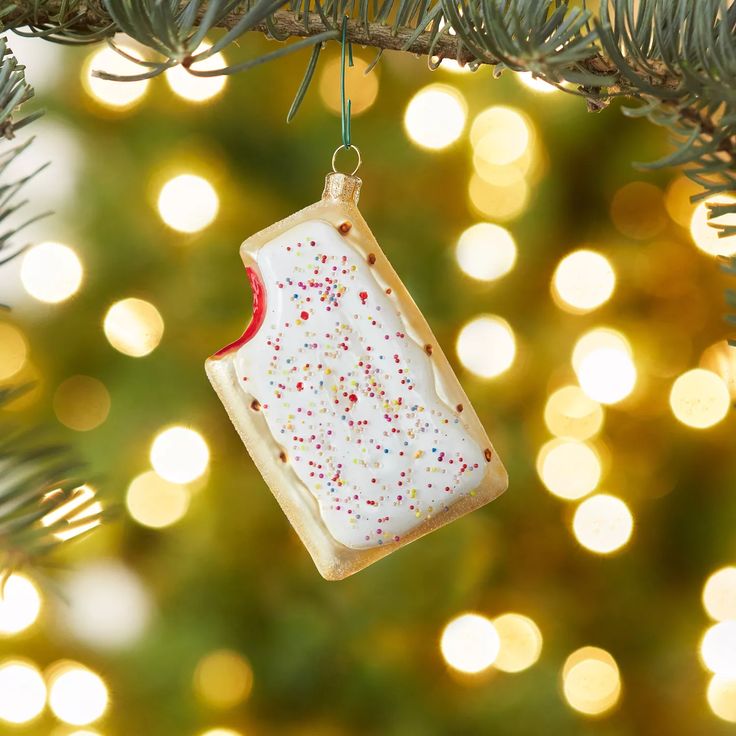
x=435 y=117
x=604 y=365
x=20 y=604
x=677 y=200
x=535 y=83
x=500 y=135
x=13 y=351
x=719 y=594
x=718 y=648
x=223 y=679
x=155 y=502
x=486 y=346
x=521 y=642
x=706 y=237
x=452 y=66
x=598 y=337
x=51 y=272
x=179 y=454
x=637 y=210
x=591 y=681
x=569 y=469
x=486 y=252
x=22 y=691
x=188 y=203
x=77 y=695
x=134 y=327
x=198 y=89
x=699 y=399
x=220 y=732
x=583 y=281
x=721 y=359
x=571 y=413
x=111 y=94
x=470 y=643
x=603 y=523
x=722 y=697
x=363 y=88
x=500 y=201
x=81 y=403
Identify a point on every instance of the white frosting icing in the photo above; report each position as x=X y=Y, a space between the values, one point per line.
x=349 y=395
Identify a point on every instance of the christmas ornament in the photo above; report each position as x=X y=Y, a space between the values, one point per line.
x=342 y=395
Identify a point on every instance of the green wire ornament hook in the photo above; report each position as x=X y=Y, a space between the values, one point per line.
x=346 y=105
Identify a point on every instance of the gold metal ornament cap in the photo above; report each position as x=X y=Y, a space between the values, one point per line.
x=342 y=187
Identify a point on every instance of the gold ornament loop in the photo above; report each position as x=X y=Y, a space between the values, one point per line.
x=350 y=148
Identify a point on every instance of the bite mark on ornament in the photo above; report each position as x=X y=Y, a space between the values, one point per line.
x=255 y=405
x=371 y=259
x=282 y=456
x=488 y=454
x=428 y=349
x=345 y=228
x=459 y=408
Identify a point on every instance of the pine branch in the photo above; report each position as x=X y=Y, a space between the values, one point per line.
x=677 y=57
x=39 y=506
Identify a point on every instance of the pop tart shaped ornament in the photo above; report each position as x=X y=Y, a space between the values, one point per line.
x=342 y=395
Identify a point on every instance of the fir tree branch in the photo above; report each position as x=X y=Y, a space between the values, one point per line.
x=677 y=57
x=39 y=506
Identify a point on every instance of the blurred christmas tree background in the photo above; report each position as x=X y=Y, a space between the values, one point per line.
x=582 y=306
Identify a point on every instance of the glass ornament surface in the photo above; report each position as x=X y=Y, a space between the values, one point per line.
x=342 y=395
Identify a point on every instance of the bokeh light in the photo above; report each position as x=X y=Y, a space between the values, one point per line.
x=721 y=695
x=706 y=237
x=105 y=605
x=721 y=359
x=111 y=94
x=20 y=603
x=81 y=403
x=198 y=89
x=520 y=642
x=603 y=523
x=22 y=691
x=502 y=202
x=435 y=117
x=486 y=252
x=500 y=135
x=486 y=346
x=179 y=454
x=470 y=643
x=13 y=351
x=363 y=88
x=677 y=200
x=571 y=413
x=583 y=281
x=604 y=365
x=719 y=594
x=568 y=468
x=223 y=679
x=188 y=203
x=156 y=502
x=591 y=682
x=220 y=732
x=535 y=83
x=699 y=399
x=133 y=327
x=51 y=272
x=77 y=695
x=718 y=648
x=638 y=211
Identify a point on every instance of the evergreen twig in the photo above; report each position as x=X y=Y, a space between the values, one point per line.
x=39 y=506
